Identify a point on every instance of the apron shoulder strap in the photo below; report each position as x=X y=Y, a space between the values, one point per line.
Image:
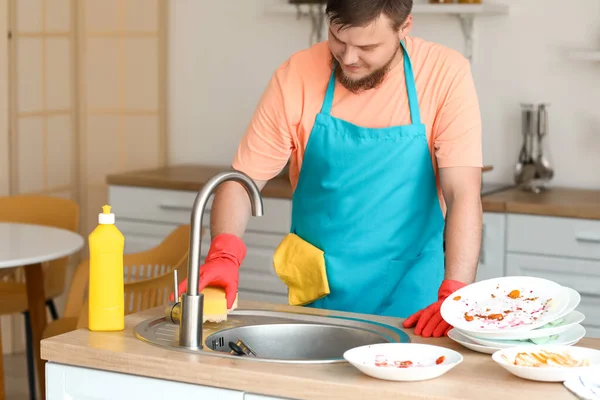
x=411 y=87
x=413 y=99
x=327 y=103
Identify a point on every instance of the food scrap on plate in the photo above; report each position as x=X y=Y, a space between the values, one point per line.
x=546 y=359
x=382 y=361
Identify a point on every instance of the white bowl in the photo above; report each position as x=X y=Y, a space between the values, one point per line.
x=423 y=357
x=549 y=373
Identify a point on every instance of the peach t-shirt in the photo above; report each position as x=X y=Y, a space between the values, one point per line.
x=283 y=120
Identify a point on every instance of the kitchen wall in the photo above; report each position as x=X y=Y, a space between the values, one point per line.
x=222 y=54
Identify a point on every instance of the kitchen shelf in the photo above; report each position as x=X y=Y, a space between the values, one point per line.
x=465 y=9
x=465 y=13
x=452 y=9
x=585 y=55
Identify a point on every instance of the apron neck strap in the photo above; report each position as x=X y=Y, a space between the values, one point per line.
x=326 y=107
x=413 y=100
x=411 y=88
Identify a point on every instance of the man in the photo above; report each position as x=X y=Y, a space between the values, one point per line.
x=383 y=134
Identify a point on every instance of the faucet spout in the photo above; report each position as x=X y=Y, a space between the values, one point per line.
x=192 y=302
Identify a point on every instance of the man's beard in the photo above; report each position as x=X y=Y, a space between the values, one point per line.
x=370 y=81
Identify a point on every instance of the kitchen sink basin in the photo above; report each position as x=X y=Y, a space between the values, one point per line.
x=275 y=336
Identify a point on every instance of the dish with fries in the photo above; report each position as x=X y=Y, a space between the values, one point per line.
x=548 y=363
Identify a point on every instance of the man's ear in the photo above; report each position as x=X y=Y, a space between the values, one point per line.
x=406 y=27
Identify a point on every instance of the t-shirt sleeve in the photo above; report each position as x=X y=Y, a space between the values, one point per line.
x=268 y=141
x=457 y=131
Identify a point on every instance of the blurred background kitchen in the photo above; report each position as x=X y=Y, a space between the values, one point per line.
x=97 y=88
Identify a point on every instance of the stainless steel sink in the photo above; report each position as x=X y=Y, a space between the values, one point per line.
x=285 y=337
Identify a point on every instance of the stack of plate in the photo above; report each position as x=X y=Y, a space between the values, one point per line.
x=513 y=311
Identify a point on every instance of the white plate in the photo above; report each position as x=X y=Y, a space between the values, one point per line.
x=569 y=337
x=552 y=328
x=574 y=300
x=491 y=297
x=568 y=321
x=573 y=318
x=464 y=341
x=549 y=373
x=423 y=357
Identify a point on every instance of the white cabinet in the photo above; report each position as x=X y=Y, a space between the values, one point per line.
x=65 y=382
x=561 y=237
x=564 y=250
x=147 y=215
x=492 y=253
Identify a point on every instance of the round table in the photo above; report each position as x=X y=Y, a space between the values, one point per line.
x=28 y=246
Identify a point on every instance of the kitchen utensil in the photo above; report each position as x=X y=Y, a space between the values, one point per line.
x=241 y=349
x=403 y=361
x=544 y=168
x=550 y=373
x=524 y=171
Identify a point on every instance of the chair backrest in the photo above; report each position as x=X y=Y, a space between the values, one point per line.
x=160 y=259
x=147 y=274
x=152 y=292
x=43 y=210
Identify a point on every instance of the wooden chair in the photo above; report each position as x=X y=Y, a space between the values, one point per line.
x=148 y=281
x=41 y=210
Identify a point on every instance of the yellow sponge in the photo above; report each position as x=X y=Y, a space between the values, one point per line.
x=215 y=304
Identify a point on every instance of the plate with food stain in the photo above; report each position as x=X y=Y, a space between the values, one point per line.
x=403 y=361
x=513 y=303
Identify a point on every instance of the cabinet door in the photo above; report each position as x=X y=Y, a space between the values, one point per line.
x=75 y=383
x=491 y=256
x=581 y=275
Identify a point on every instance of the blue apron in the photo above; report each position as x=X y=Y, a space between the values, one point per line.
x=367 y=197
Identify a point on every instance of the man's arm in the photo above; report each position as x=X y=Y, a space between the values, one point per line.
x=231 y=209
x=461 y=187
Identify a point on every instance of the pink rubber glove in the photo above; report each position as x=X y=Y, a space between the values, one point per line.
x=221 y=266
x=429 y=320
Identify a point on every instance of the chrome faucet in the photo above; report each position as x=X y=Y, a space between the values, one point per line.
x=189 y=313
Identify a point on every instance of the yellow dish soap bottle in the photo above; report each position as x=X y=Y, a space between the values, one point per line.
x=106 y=288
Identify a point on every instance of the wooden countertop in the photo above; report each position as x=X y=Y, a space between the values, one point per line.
x=556 y=202
x=478 y=377
x=190 y=177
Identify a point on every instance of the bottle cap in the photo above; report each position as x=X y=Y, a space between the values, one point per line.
x=106 y=217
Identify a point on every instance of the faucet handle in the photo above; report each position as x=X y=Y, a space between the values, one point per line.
x=175 y=287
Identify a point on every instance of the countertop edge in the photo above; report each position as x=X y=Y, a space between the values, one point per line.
x=121 y=352
x=225 y=373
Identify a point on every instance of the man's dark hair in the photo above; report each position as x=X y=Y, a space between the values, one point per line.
x=359 y=13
